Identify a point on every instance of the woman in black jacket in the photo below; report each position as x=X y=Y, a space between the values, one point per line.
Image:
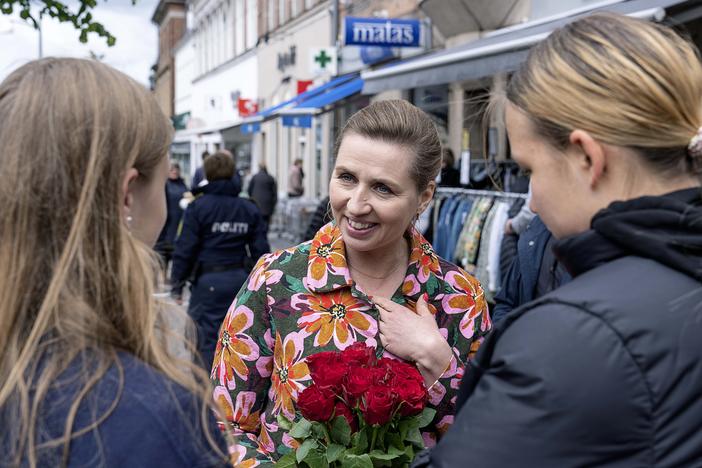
x=606 y=371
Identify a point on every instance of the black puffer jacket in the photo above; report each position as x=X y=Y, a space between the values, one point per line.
x=605 y=371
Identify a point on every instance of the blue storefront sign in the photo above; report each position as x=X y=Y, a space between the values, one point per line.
x=382 y=32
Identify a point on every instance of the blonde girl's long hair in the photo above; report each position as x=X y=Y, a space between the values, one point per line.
x=627 y=82
x=75 y=285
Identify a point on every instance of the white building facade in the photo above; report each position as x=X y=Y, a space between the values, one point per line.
x=216 y=65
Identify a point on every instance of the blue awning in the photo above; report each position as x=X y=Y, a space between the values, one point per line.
x=301 y=115
x=253 y=123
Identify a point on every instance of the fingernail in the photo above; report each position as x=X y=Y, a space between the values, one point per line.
x=425 y=296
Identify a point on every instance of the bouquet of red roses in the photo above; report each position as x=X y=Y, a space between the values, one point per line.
x=359 y=412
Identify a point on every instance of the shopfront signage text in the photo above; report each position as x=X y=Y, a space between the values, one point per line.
x=287 y=59
x=382 y=32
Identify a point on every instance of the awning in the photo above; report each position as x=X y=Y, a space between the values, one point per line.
x=505 y=49
x=253 y=124
x=301 y=115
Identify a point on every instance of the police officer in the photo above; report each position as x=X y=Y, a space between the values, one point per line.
x=211 y=250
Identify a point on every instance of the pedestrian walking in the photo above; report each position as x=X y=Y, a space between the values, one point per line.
x=264 y=191
x=175 y=189
x=295 y=177
x=222 y=236
x=449 y=175
x=606 y=113
x=199 y=175
x=86 y=378
x=200 y=179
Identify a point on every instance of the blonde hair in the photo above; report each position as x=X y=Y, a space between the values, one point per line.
x=627 y=82
x=75 y=285
x=399 y=122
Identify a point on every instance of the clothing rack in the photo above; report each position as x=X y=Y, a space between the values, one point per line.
x=447 y=191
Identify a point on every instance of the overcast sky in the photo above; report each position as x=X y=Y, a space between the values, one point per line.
x=134 y=53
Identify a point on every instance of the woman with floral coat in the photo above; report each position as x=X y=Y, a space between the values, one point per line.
x=369 y=276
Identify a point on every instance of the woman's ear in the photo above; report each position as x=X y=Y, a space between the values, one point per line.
x=426 y=196
x=127 y=190
x=592 y=156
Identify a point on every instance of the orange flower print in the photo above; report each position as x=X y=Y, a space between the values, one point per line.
x=265 y=442
x=469 y=300
x=424 y=257
x=338 y=315
x=237 y=454
x=234 y=347
x=326 y=256
x=239 y=416
x=288 y=371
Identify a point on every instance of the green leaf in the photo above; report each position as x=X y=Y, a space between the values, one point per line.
x=282 y=449
x=357 y=461
x=287 y=461
x=295 y=283
x=316 y=459
x=415 y=437
x=300 y=429
x=284 y=422
x=380 y=455
x=394 y=441
x=304 y=449
x=319 y=431
x=341 y=431
x=426 y=417
x=334 y=452
x=409 y=451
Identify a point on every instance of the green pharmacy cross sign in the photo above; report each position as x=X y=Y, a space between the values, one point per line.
x=322 y=58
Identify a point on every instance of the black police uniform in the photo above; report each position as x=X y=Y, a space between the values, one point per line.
x=218 y=226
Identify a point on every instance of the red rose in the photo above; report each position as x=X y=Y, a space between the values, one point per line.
x=356 y=383
x=316 y=404
x=384 y=370
x=327 y=370
x=412 y=396
x=405 y=371
x=359 y=354
x=378 y=404
x=342 y=410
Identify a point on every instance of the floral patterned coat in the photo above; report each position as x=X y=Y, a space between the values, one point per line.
x=302 y=301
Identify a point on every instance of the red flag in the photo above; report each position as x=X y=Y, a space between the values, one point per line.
x=303 y=85
x=247 y=107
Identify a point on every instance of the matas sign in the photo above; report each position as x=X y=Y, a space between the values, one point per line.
x=382 y=32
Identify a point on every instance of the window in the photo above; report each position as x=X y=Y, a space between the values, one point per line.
x=251 y=23
x=293 y=8
x=281 y=12
x=308 y=4
x=239 y=28
x=270 y=12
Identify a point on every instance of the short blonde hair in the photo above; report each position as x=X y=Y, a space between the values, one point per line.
x=627 y=82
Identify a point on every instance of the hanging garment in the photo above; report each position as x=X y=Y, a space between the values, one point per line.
x=480 y=267
x=438 y=206
x=495 y=243
x=441 y=230
x=467 y=251
x=459 y=219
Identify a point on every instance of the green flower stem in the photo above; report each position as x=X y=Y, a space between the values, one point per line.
x=373 y=437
